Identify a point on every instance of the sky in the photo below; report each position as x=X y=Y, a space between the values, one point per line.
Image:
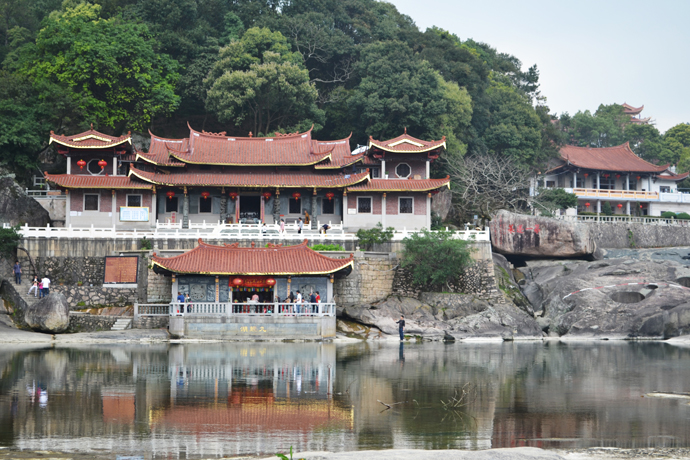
x=587 y=52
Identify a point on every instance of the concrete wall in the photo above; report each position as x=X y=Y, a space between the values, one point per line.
x=259 y=327
x=619 y=235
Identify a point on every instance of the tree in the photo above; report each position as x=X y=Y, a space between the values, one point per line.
x=556 y=198
x=484 y=184
x=677 y=141
x=109 y=68
x=435 y=258
x=368 y=237
x=258 y=79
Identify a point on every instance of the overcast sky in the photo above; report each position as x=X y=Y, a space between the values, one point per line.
x=588 y=52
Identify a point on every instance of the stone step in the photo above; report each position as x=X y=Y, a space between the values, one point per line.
x=121 y=324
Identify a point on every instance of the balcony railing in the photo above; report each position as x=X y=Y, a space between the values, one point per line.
x=234 y=309
x=631 y=195
x=627 y=220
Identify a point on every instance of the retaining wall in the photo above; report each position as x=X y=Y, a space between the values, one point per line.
x=623 y=235
x=256 y=327
x=83 y=322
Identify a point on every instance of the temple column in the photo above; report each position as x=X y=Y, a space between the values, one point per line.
x=276 y=208
x=428 y=170
x=114 y=166
x=627 y=207
x=69 y=165
x=598 y=206
x=649 y=181
x=262 y=205
x=113 y=208
x=68 y=207
x=223 y=206
x=185 y=209
x=383 y=210
x=627 y=182
x=428 y=211
x=313 y=211
x=574 y=180
x=154 y=208
x=598 y=180
x=383 y=169
x=237 y=209
x=344 y=208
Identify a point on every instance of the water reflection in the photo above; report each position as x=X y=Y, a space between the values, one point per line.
x=212 y=400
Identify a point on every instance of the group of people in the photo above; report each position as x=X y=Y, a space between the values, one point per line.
x=298 y=303
x=184 y=299
x=40 y=288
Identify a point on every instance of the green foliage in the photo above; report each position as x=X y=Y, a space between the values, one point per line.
x=557 y=198
x=285 y=457
x=368 y=237
x=327 y=247
x=606 y=209
x=436 y=222
x=9 y=241
x=435 y=258
x=683 y=215
x=259 y=80
x=668 y=214
x=146 y=244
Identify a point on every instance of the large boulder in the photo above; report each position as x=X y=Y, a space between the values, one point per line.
x=16 y=207
x=532 y=236
x=613 y=299
x=447 y=317
x=50 y=314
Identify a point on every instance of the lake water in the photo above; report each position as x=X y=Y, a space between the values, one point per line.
x=214 y=400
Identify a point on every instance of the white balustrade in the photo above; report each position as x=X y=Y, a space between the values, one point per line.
x=235 y=309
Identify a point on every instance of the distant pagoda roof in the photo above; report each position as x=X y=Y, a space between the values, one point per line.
x=90 y=139
x=630 y=110
x=406 y=144
x=230 y=259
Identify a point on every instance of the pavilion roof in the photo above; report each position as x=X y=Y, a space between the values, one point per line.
x=90 y=139
x=158 y=151
x=248 y=179
x=230 y=259
x=618 y=158
x=407 y=144
x=89 y=181
x=400 y=185
x=630 y=110
x=341 y=155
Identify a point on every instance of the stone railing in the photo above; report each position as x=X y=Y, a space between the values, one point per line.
x=626 y=219
x=234 y=309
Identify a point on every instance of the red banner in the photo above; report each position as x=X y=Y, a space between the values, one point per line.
x=250 y=281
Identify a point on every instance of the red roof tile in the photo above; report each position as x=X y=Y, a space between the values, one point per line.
x=674 y=177
x=86 y=181
x=619 y=158
x=407 y=144
x=246 y=179
x=90 y=139
x=209 y=259
x=158 y=151
x=341 y=155
x=400 y=185
x=217 y=149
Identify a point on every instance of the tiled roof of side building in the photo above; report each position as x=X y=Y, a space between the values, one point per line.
x=232 y=260
x=618 y=158
x=86 y=181
x=246 y=179
x=159 y=148
x=400 y=185
x=407 y=144
x=341 y=155
x=282 y=150
x=90 y=139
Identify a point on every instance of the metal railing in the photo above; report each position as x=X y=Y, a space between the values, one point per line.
x=234 y=309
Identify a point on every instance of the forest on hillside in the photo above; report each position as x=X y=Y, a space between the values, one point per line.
x=266 y=66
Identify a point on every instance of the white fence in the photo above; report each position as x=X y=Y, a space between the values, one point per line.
x=627 y=220
x=234 y=309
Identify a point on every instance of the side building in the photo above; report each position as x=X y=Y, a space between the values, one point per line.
x=213 y=177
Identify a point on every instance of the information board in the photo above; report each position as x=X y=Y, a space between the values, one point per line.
x=121 y=270
x=134 y=214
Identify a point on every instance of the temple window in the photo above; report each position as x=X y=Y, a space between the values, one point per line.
x=607 y=183
x=91 y=201
x=364 y=205
x=205 y=204
x=375 y=173
x=550 y=184
x=328 y=206
x=171 y=204
x=405 y=205
x=403 y=170
x=134 y=201
x=665 y=189
x=93 y=168
x=295 y=206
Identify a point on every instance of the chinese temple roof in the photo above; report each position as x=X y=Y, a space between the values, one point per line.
x=341 y=155
x=619 y=158
x=294 y=149
x=158 y=151
x=400 y=185
x=406 y=144
x=90 y=139
x=247 y=179
x=207 y=259
x=630 y=110
x=89 y=181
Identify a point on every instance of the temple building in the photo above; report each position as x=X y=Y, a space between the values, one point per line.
x=616 y=175
x=634 y=113
x=213 y=177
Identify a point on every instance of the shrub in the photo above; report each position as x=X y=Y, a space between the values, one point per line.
x=145 y=243
x=370 y=236
x=9 y=241
x=557 y=198
x=435 y=258
x=606 y=209
x=683 y=215
x=327 y=247
x=668 y=214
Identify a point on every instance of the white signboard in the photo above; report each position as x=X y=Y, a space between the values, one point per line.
x=352 y=210
x=134 y=214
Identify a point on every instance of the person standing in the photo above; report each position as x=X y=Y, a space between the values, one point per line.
x=17 y=272
x=318 y=297
x=180 y=300
x=46 y=286
x=34 y=287
x=298 y=302
x=401 y=327
x=282 y=226
x=300 y=225
x=188 y=301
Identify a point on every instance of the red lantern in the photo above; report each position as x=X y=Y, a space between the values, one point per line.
x=102 y=164
x=618 y=176
x=586 y=175
x=170 y=194
x=330 y=195
x=267 y=195
x=81 y=164
x=271 y=282
x=639 y=177
x=233 y=195
x=296 y=195
x=587 y=204
x=205 y=195
x=620 y=205
x=237 y=281
x=640 y=206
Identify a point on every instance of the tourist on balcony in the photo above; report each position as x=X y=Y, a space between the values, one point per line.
x=180 y=300
x=17 y=272
x=34 y=287
x=282 y=226
x=300 y=225
x=318 y=297
x=298 y=302
x=188 y=301
x=325 y=227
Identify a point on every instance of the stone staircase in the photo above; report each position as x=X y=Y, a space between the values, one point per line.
x=23 y=290
x=121 y=324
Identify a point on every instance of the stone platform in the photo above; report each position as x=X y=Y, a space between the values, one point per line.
x=269 y=327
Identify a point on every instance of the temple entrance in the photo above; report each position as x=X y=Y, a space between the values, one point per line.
x=250 y=208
